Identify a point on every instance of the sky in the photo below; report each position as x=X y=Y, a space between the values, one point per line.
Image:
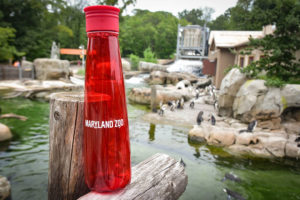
x=175 y=6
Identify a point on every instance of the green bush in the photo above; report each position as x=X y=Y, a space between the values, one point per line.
x=149 y=56
x=134 y=61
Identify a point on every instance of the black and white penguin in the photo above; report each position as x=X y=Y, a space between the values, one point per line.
x=181 y=103
x=197 y=94
x=173 y=106
x=216 y=105
x=170 y=103
x=297 y=139
x=200 y=118
x=233 y=194
x=192 y=104
x=231 y=177
x=182 y=162
x=213 y=120
x=250 y=128
x=162 y=110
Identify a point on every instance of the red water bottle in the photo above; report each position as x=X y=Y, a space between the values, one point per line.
x=106 y=133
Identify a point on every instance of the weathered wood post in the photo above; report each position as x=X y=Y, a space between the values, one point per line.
x=66 y=178
x=153 y=99
x=158 y=177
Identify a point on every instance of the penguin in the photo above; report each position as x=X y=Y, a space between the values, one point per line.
x=181 y=103
x=197 y=94
x=213 y=120
x=177 y=104
x=162 y=109
x=250 y=128
x=182 y=162
x=192 y=104
x=170 y=103
x=200 y=118
x=232 y=177
x=216 y=105
x=297 y=139
x=172 y=107
x=233 y=194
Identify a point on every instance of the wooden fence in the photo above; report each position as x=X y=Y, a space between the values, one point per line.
x=8 y=72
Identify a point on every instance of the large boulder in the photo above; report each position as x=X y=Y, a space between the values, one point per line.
x=126 y=65
x=149 y=67
x=5 y=133
x=164 y=94
x=51 y=69
x=4 y=188
x=221 y=136
x=229 y=87
x=161 y=78
x=266 y=104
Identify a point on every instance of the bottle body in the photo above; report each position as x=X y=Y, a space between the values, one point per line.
x=106 y=132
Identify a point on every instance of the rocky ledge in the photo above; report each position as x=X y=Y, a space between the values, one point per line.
x=259 y=143
x=35 y=88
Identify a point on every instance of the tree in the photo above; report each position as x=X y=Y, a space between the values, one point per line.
x=157 y=30
x=194 y=16
x=7 y=50
x=121 y=4
x=279 y=61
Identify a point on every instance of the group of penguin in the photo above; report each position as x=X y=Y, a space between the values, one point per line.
x=179 y=104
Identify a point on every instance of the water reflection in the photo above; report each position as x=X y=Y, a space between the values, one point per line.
x=152 y=132
x=196 y=146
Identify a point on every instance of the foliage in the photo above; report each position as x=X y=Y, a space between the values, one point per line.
x=7 y=50
x=121 y=4
x=230 y=68
x=149 y=56
x=157 y=30
x=279 y=61
x=198 y=16
x=134 y=61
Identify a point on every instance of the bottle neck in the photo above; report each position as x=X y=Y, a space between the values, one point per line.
x=102 y=34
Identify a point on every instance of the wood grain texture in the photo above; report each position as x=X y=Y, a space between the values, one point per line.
x=159 y=177
x=65 y=177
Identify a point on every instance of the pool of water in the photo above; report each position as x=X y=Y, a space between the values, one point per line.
x=24 y=160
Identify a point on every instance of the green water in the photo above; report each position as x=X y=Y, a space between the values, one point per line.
x=24 y=160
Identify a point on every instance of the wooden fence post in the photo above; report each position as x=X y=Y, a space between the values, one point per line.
x=158 y=177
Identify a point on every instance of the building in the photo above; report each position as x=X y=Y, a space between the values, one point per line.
x=224 y=51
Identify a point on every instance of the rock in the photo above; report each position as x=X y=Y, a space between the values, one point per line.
x=149 y=67
x=183 y=84
x=221 y=136
x=125 y=65
x=27 y=65
x=246 y=99
x=274 y=145
x=202 y=83
x=255 y=150
x=272 y=123
x=290 y=96
x=51 y=69
x=229 y=87
x=246 y=139
x=162 y=78
x=291 y=150
x=4 y=188
x=5 y=133
x=199 y=134
x=291 y=127
x=296 y=115
x=129 y=74
x=164 y=94
x=209 y=100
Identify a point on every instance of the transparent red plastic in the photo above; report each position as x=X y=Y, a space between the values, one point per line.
x=106 y=133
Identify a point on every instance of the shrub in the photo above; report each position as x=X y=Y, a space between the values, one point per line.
x=134 y=61
x=149 y=56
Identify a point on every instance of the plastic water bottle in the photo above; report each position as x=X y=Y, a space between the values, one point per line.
x=106 y=133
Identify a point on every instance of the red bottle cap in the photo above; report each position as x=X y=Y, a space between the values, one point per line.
x=102 y=18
